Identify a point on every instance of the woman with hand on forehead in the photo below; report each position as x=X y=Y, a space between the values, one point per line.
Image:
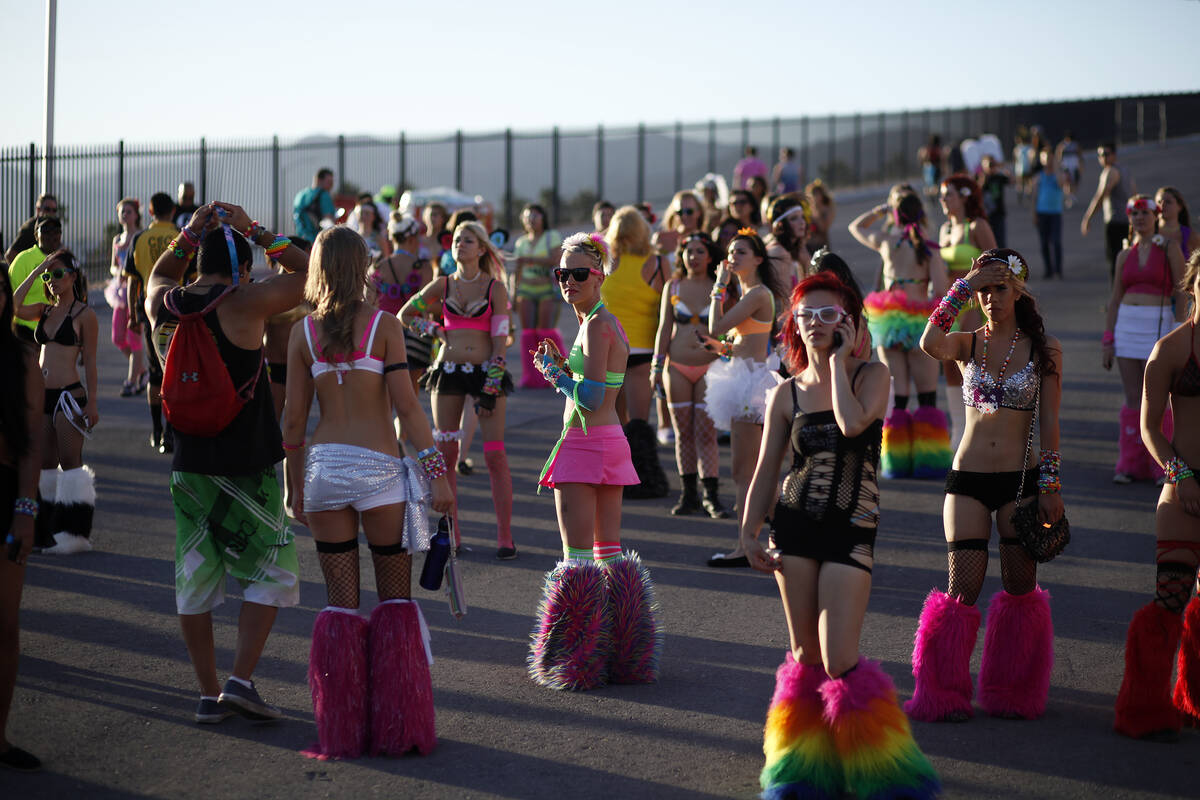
x=834 y=724
x=1012 y=375
x=596 y=621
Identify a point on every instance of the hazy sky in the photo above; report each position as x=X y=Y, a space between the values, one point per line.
x=167 y=70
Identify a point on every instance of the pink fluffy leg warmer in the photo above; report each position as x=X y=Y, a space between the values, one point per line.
x=502 y=491
x=1187 y=688
x=636 y=635
x=1018 y=652
x=402 y=716
x=1131 y=459
x=530 y=377
x=572 y=642
x=1144 y=703
x=941 y=661
x=337 y=677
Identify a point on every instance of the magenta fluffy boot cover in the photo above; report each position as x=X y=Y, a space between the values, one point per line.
x=530 y=377
x=1131 y=453
x=1187 y=688
x=636 y=636
x=1144 y=702
x=1018 y=652
x=337 y=678
x=941 y=661
x=572 y=642
x=402 y=715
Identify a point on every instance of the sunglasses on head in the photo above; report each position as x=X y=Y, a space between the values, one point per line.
x=56 y=274
x=580 y=274
x=826 y=314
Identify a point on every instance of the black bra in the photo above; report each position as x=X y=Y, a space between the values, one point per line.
x=65 y=335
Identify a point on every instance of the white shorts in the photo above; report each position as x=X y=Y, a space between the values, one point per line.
x=1138 y=328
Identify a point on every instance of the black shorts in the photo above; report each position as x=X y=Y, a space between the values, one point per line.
x=795 y=533
x=993 y=489
x=450 y=378
x=153 y=365
x=637 y=359
x=50 y=403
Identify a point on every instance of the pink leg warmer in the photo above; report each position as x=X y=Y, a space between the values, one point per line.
x=941 y=661
x=402 y=716
x=530 y=377
x=879 y=757
x=1144 y=703
x=449 y=450
x=1187 y=688
x=502 y=492
x=1131 y=457
x=636 y=635
x=337 y=677
x=1018 y=652
x=571 y=643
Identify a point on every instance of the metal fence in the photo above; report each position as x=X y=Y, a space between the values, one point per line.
x=567 y=171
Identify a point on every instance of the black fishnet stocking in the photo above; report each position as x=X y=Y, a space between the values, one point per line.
x=341 y=577
x=1018 y=570
x=393 y=573
x=968 y=567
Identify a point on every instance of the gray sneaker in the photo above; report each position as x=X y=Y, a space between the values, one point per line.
x=244 y=700
x=211 y=712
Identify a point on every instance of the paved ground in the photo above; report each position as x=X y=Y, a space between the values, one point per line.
x=106 y=693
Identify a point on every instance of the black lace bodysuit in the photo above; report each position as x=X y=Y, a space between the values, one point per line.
x=829 y=507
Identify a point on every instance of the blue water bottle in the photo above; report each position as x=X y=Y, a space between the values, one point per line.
x=436 y=558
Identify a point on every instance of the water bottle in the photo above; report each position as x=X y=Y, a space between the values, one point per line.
x=435 y=559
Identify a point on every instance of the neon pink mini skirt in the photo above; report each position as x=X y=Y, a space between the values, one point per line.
x=601 y=456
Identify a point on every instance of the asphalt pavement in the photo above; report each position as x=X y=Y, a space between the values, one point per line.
x=106 y=693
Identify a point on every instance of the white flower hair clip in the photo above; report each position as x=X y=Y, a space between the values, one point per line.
x=1159 y=240
x=1017 y=267
x=964 y=191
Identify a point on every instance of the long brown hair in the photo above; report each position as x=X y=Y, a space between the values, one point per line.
x=337 y=276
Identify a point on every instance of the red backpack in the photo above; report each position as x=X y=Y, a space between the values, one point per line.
x=198 y=395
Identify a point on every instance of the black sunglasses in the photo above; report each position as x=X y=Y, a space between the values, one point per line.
x=686 y=212
x=56 y=274
x=580 y=274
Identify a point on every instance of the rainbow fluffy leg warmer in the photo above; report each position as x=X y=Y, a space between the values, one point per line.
x=802 y=761
x=879 y=757
x=1144 y=702
x=337 y=677
x=1131 y=459
x=1018 y=652
x=571 y=643
x=636 y=635
x=896 y=456
x=1187 y=687
x=931 y=453
x=402 y=716
x=941 y=661
x=530 y=377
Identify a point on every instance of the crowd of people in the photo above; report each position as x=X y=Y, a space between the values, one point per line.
x=732 y=317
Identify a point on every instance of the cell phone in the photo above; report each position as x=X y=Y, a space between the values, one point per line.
x=837 y=340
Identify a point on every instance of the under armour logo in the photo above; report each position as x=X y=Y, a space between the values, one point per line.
x=194 y=377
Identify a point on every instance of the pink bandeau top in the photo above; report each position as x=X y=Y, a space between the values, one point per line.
x=480 y=321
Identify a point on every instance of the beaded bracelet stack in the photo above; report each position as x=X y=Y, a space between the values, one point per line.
x=1049 y=467
x=277 y=246
x=254 y=230
x=1177 y=470
x=658 y=363
x=424 y=327
x=718 y=293
x=948 y=309
x=183 y=245
x=495 y=375
x=432 y=462
x=550 y=370
x=25 y=505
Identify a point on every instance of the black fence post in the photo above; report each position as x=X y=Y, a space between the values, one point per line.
x=32 y=175
x=275 y=220
x=804 y=147
x=403 y=166
x=600 y=161
x=857 y=149
x=341 y=161
x=203 y=171
x=508 y=178
x=712 y=145
x=1117 y=122
x=458 y=153
x=774 y=137
x=745 y=133
x=678 y=155
x=554 y=176
x=882 y=145
x=832 y=149
x=641 y=162
x=905 y=144
x=121 y=169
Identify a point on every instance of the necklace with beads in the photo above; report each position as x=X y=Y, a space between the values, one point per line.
x=987 y=399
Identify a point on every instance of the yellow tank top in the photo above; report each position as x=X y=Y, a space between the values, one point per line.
x=959 y=257
x=632 y=301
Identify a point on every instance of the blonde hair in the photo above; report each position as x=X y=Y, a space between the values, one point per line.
x=491 y=260
x=593 y=246
x=1190 y=270
x=628 y=232
x=337 y=279
x=671 y=215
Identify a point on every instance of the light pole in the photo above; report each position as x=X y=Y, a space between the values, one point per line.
x=48 y=145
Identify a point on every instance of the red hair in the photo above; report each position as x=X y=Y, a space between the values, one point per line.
x=973 y=202
x=795 y=356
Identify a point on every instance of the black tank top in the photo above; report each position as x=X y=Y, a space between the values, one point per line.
x=252 y=442
x=834 y=478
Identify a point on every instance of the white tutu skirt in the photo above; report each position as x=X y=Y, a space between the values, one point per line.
x=1138 y=328
x=737 y=389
